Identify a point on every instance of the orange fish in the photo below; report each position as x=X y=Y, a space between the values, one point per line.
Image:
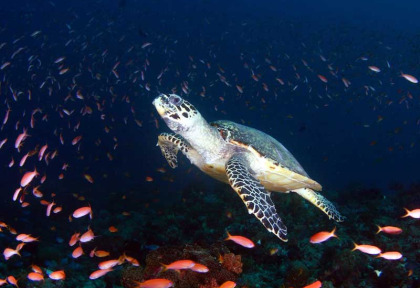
x=322 y=236
x=77 y=252
x=131 y=260
x=76 y=140
x=12 y=280
x=101 y=253
x=21 y=138
x=374 y=69
x=9 y=252
x=389 y=230
x=88 y=178
x=29 y=239
x=49 y=207
x=228 y=284
x=99 y=273
x=155 y=283
x=57 y=275
x=179 y=265
x=410 y=78
x=392 y=255
x=34 y=276
x=20 y=237
x=199 y=268
x=36 y=269
x=322 y=78
x=243 y=241
x=110 y=263
x=83 y=211
x=316 y=284
x=74 y=239
x=87 y=236
x=112 y=229
x=413 y=213
x=57 y=209
x=368 y=249
x=28 y=177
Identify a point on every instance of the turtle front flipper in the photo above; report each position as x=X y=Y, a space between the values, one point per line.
x=170 y=144
x=255 y=197
x=321 y=202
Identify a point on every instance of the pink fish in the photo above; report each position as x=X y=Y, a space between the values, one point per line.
x=413 y=213
x=389 y=230
x=42 y=151
x=368 y=249
x=322 y=236
x=87 y=236
x=28 y=177
x=410 y=78
x=99 y=273
x=155 y=283
x=392 y=255
x=179 y=265
x=21 y=138
x=243 y=241
x=83 y=211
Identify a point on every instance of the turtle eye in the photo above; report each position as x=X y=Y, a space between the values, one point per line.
x=175 y=100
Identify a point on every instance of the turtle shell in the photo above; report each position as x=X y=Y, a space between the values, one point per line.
x=263 y=143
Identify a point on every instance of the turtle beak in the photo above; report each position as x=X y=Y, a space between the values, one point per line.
x=159 y=104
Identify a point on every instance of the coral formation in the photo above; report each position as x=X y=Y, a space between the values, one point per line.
x=218 y=272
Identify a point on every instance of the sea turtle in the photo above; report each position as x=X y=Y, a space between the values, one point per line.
x=252 y=162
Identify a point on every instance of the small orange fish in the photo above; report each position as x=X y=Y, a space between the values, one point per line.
x=88 y=178
x=131 y=260
x=36 y=268
x=112 y=229
x=199 y=268
x=228 y=284
x=74 y=238
x=368 y=249
x=316 y=284
x=12 y=280
x=322 y=78
x=110 y=263
x=99 y=273
x=410 y=78
x=155 y=283
x=83 y=211
x=77 y=252
x=374 y=69
x=413 y=213
x=9 y=252
x=87 y=236
x=322 y=236
x=389 y=230
x=392 y=255
x=29 y=239
x=179 y=265
x=101 y=253
x=57 y=275
x=28 y=177
x=243 y=241
x=34 y=276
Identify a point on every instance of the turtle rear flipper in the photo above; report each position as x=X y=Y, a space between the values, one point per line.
x=170 y=144
x=253 y=194
x=321 y=202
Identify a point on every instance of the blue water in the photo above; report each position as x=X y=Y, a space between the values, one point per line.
x=358 y=138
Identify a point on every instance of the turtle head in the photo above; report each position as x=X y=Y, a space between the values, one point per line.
x=178 y=113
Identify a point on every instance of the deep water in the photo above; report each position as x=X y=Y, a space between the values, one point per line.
x=298 y=71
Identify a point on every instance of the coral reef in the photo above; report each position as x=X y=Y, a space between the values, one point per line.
x=218 y=272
